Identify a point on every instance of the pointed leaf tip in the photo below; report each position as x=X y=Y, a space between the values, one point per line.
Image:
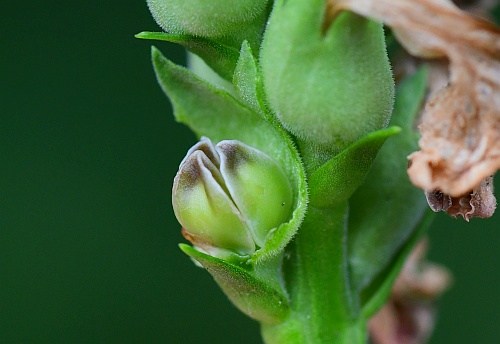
x=339 y=178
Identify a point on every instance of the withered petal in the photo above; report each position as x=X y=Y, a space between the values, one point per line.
x=460 y=129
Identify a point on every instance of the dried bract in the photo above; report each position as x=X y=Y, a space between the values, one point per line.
x=460 y=129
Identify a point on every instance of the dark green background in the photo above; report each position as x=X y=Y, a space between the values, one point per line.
x=88 y=240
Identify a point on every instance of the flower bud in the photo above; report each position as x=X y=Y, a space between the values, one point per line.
x=205 y=18
x=230 y=196
x=328 y=86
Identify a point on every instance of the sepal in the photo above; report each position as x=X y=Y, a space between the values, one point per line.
x=220 y=57
x=253 y=296
x=246 y=79
x=338 y=179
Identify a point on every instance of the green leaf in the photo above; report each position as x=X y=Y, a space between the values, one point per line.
x=214 y=113
x=221 y=58
x=330 y=86
x=245 y=78
x=387 y=208
x=376 y=295
x=252 y=296
x=336 y=181
x=199 y=67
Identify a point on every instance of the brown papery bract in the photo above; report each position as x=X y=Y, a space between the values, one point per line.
x=460 y=129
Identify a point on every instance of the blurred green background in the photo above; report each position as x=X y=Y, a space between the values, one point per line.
x=88 y=240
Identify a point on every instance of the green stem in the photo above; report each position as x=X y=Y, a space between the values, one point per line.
x=323 y=310
x=292 y=332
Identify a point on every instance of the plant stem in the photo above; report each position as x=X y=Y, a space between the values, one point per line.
x=323 y=310
x=293 y=332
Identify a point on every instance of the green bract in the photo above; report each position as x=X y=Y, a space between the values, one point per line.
x=230 y=196
x=327 y=87
x=205 y=18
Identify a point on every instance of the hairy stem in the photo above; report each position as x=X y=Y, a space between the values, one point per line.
x=322 y=307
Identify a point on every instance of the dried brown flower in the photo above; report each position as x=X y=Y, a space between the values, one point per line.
x=408 y=317
x=460 y=129
x=479 y=203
